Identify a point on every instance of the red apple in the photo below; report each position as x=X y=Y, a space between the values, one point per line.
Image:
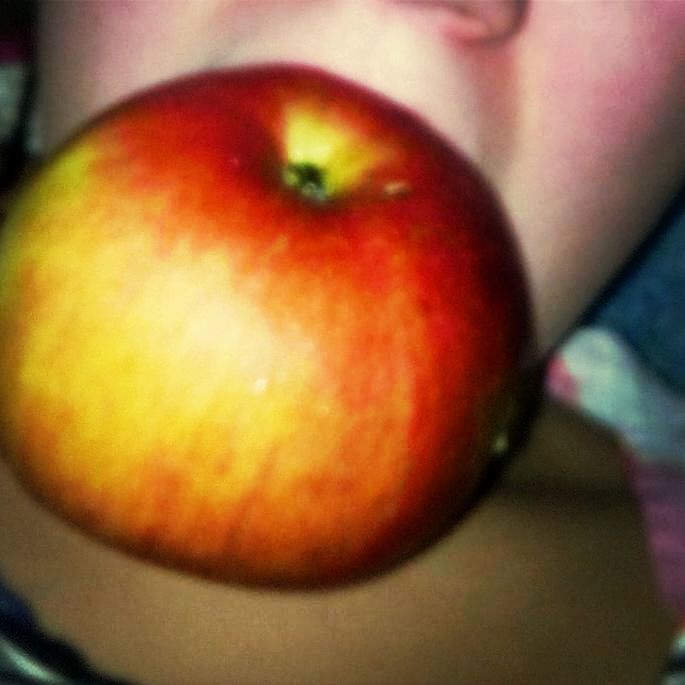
x=260 y=326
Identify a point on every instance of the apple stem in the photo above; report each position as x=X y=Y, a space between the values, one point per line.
x=308 y=179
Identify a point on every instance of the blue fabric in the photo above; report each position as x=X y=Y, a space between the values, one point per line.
x=646 y=304
x=11 y=606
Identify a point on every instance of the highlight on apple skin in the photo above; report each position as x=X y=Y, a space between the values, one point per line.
x=258 y=325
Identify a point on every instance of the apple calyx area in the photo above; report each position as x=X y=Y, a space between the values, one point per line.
x=209 y=373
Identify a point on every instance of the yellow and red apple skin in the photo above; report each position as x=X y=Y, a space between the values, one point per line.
x=211 y=368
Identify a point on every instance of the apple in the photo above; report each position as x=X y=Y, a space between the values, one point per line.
x=260 y=325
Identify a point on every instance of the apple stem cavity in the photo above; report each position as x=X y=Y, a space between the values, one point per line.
x=307 y=179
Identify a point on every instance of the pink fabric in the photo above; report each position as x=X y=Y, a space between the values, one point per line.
x=661 y=491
